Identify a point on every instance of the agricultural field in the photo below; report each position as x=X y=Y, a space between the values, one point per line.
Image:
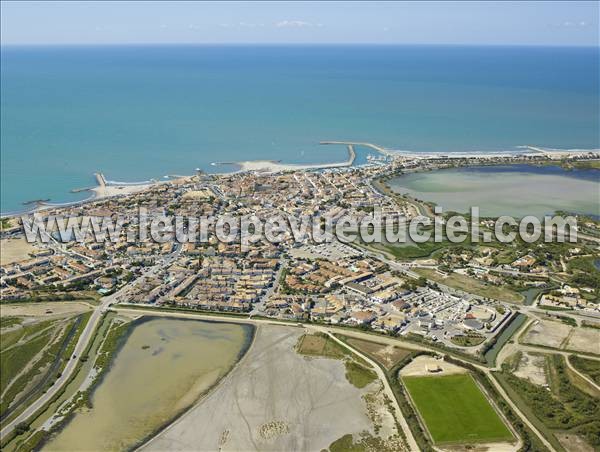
x=455 y=410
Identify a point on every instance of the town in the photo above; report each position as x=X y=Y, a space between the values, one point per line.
x=460 y=297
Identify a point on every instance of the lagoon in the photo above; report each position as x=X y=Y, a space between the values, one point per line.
x=515 y=190
x=162 y=368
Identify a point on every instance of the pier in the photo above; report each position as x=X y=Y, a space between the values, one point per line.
x=100 y=179
x=375 y=147
x=79 y=190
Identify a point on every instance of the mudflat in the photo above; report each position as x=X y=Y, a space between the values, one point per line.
x=275 y=399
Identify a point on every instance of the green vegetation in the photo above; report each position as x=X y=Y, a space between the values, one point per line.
x=320 y=344
x=586 y=164
x=564 y=408
x=7 y=322
x=455 y=410
x=14 y=360
x=33 y=364
x=531 y=443
x=5 y=223
x=114 y=336
x=585 y=273
x=589 y=367
x=567 y=320
x=358 y=372
x=582 y=264
x=111 y=337
x=408 y=412
x=18 y=442
x=358 y=375
x=21 y=428
x=554 y=308
x=23 y=357
x=10 y=338
x=420 y=250
x=346 y=444
x=470 y=339
x=473 y=286
x=366 y=442
x=112 y=341
x=174 y=308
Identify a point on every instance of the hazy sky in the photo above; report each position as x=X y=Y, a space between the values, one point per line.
x=510 y=23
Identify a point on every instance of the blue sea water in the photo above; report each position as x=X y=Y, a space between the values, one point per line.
x=143 y=112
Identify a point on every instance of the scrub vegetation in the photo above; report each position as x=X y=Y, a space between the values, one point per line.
x=358 y=371
x=562 y=407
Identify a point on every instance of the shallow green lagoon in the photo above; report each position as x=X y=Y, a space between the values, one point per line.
x=163 y=367
x=516 y=190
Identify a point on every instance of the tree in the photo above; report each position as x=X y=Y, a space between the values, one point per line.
x=21 y=428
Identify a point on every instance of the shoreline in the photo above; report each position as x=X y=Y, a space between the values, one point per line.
x=249 y=333
x=274 y=166
x=512 y=167
x=243 y=354
x=113 y=189
x=102 y=191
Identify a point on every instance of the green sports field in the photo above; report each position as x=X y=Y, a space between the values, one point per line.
x=455 y=410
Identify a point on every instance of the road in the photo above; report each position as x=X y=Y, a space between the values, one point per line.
x=486 y=370
x=82 y=344
x=585 y=377
x=353 y=333
x=517 y=345
x=410 y=439
x=405 y=270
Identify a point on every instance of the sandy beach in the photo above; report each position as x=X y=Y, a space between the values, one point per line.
x=106 y=191
x=275 y=166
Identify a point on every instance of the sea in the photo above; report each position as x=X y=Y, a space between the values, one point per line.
x=145 y=112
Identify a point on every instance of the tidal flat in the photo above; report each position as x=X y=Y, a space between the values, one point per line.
x=278 y=399
x=162 y=367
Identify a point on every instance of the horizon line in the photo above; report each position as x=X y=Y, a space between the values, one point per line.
x=292 y=44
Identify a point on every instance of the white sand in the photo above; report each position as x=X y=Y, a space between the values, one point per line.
x=115 y=190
